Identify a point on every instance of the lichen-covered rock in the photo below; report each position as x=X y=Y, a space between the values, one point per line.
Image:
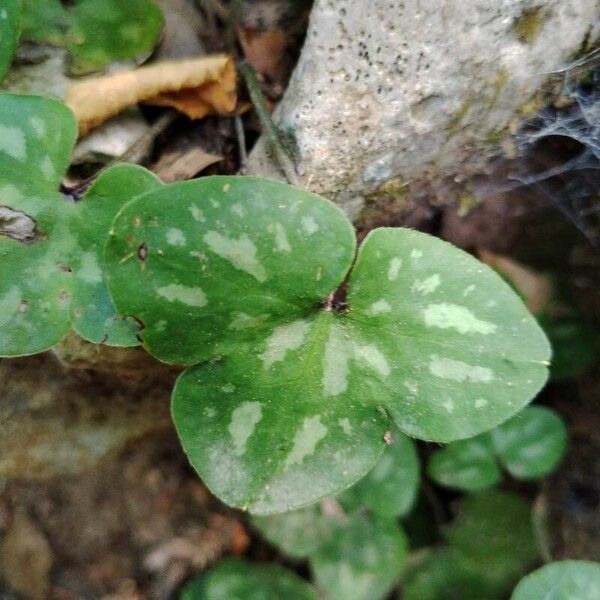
x=389 y=89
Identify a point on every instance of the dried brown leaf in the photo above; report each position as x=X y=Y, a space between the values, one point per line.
x=196 y=87
x=177 y=166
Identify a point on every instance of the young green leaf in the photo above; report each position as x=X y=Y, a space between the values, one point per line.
x=490 y=545
x=293 y=402
x=468 y=465
x=495 y=528
x=389 y=489
x=532 y=443
x=362 y=560
x=298 y=533
x=50 y=275
x=529 y=445
x=96 y=32
x=10 y=19
x=448 y=575
x=240 y=580
x=565 y=580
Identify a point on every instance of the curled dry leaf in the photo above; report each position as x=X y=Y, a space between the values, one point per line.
x=195 y=87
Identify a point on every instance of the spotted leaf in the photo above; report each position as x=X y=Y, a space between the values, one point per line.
x=298 y=533
x=50 y=275
x=292 y=387
x=488 y=547
x=468 y=465
x=234 y=578
x=564 y=580
x=529 y=445
x=390 y=488
x=532 y=443
x=96 y=32
x=387 y=491
x=361 y=561
x=10 y=19
x=352 y=556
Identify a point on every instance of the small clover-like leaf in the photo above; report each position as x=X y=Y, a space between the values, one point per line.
x=50 y=248
x=10 y=19
x=96 y=32
x=294 y=391
x=468 y=465
x=361 y=561
x=389 y=489
x=490 y=545
x=532 y=443
x=495 y=528
x=240 y=580
x=529 y=445
x=448 y=575
x=564 y=580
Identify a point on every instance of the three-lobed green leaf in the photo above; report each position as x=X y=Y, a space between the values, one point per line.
x=289 y=397
x=50 y=248
x=529 y=445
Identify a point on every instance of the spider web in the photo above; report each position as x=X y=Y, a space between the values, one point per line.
x=559 y=149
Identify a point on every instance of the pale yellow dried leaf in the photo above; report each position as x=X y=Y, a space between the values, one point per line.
x=196 y=87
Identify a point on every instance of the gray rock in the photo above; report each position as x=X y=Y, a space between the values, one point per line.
x=391 y=89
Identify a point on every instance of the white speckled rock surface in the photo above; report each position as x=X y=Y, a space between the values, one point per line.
x=387 y=88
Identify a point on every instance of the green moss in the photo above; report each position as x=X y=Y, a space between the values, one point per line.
x=456 y=121
x=466 y=203
x=528 y=26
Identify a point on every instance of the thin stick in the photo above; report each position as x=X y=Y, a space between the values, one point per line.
x=241 y=136
x=140 y=150
x=269 y=130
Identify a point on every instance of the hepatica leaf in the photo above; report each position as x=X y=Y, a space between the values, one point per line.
x=96 y=32
x=564 y=580
x=389 y=489
x=10 y=19
x=468 y=465
x=529 y=445
x=532 y=443
x=50 y=274
x=361 y=561
x=298 y=533
x=240 y=580
x=290 y=393
x=489 y=546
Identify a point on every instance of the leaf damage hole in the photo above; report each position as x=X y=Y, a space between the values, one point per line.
x=143 y=251
x=64 y=268
x=17 y=226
